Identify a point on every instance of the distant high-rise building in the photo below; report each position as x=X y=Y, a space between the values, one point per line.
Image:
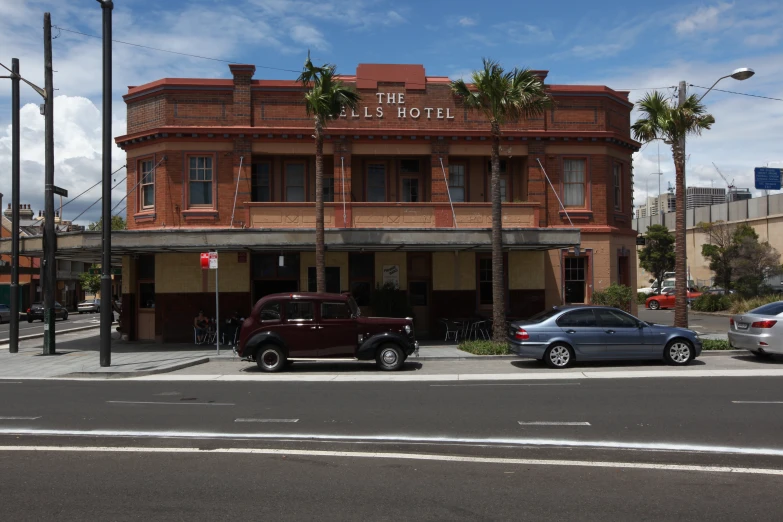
x=656 y=205
x=704 y=196
x=738 y=194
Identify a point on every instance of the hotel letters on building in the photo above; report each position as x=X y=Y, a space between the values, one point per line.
x=230 y=165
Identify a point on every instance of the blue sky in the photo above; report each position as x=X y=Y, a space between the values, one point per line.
x=625 y=45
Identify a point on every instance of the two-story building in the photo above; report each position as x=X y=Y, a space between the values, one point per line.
x=229 y=164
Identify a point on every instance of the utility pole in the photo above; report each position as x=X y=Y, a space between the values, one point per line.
x=13 y=327
x=49 y=237
x=106 y=297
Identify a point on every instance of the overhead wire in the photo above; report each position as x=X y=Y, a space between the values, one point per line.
x=740 y=93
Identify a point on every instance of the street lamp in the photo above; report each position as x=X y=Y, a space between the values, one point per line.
x=13 y=337
x=681 y=282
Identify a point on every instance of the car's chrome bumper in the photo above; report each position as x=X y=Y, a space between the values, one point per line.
x=753 y=342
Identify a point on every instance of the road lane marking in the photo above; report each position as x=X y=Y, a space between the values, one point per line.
x=553 y=423
x=405 y=456
x=175 y=403
x=20 y=418
x=266 y=420
x=757 y=402
x=505 y=384
x=10 y=382
x=398 y=438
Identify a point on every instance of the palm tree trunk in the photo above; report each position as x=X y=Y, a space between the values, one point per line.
x=320 y=261
x=498 y=285
x=680 y=261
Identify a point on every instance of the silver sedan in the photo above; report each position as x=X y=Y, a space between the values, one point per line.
x=760 y=330
x=565 y=334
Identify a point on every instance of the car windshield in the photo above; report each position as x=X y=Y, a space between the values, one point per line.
x=354 y=307
x=540 y=317
x=769 y=309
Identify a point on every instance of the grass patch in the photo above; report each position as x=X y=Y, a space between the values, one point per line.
x=484 y=347
x=741 y=306
x=715 y=344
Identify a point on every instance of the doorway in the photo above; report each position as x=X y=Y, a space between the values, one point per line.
x=419 y=288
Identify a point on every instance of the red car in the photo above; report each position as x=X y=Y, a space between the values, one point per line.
x=306 y=326
x=666 y=299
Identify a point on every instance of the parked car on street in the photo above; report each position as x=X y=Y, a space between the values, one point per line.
x=90 y=306
x=666 y=298
x=5 y=313
x=564 y=334
x=718 y=291
x=308 y=326
x=36 y=312
x=647 y=290
x=760 y=330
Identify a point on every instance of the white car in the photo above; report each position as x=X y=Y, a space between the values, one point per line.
x=90 y=306
x=647 y=290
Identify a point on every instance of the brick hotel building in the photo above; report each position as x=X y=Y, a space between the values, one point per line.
x=229 y=164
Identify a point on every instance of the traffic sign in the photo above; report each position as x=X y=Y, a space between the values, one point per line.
x=60 y=191
x=213 y=260
x=767 y=179
x=204 y=260
x=95 y=270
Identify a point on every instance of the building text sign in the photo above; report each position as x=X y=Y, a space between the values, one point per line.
x=394 y=103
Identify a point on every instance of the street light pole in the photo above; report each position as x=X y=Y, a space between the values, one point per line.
x=49 y=237
x=13 y=327
x=107 y=310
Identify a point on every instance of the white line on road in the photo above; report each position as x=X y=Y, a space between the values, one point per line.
x=266 y=420
x=411 y=439
x=757 y=402
x=10 y=382
x=404 y=456
x=552 y=423
x=505 y=384
x=175 y=403
x=20 y=418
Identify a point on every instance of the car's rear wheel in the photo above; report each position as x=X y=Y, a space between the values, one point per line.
x=654 y=305
x=29 y=319
x=270 y=358
x=559 y=356
x=389 y=357
x=65 y=316
x=679 y=352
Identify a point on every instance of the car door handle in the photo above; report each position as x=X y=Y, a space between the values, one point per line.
x=570 y=331
x=610 y=331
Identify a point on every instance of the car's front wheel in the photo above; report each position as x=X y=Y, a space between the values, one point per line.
x=654 y=305
x=270 y=358
x=679 y=352
x=29 y=319
x=389 y=357
x=65 y=316
x=559 y=356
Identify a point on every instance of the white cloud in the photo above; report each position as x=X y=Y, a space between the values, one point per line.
x=762 y=40
x=466 y=21
x=703 y=19
x=308 y=35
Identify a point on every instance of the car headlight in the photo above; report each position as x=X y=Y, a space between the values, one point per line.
x=407 y=329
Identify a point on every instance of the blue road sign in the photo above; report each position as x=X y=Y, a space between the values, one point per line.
x=767 y=179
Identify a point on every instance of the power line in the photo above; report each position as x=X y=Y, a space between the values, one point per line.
x=97 y=200
x=175 y=52
x=740 y=93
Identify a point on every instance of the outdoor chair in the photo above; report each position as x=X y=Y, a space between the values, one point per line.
x=452 y=328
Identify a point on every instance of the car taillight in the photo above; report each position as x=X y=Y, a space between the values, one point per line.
x=731 y=321
x=763 y=324
x=28 y=310
x=522 y=335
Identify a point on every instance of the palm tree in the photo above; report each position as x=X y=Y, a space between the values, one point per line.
x=502 y=96
x=662 y=120
x=325 y=98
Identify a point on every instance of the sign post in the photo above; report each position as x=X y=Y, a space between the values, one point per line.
x=767 y=179
x=213 y=264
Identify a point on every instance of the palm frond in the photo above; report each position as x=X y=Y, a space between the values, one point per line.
x=326 y=96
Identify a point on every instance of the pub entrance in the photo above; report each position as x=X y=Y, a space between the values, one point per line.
x=270 y=276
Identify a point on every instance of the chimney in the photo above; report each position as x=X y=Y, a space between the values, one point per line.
x=243 y=111
x=24 y=212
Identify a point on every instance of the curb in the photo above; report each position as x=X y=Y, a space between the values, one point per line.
x=140 y=373
x=714 y=353
x=40 y=335
x=711 y=314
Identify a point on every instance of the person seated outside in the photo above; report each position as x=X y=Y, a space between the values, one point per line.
x=233 y=324
x=200 y=323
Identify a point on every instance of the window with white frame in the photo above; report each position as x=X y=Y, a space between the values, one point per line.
x=147 y=184
x=457 y=182
x=618 y=203
x=574 y=182
x=295 y=182
x=200 y=181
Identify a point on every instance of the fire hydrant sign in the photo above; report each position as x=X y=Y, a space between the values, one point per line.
x=204 y=260
x=213 y=260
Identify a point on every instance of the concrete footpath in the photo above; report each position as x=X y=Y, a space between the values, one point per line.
x=78 y=357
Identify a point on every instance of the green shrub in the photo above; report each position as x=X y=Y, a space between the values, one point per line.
x=390 y=301
x=641 y=298
x=740 y=305
x=619 y=296
x=711 y=303
x=484 y=347
x=715 y=344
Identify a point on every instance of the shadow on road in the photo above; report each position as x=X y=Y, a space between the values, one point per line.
x=333 y=367
x=531 y=364
x=770 y=359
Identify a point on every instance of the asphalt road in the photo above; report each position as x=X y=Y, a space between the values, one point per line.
x=702 y=323
x=702 y=449
x=75 y=320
